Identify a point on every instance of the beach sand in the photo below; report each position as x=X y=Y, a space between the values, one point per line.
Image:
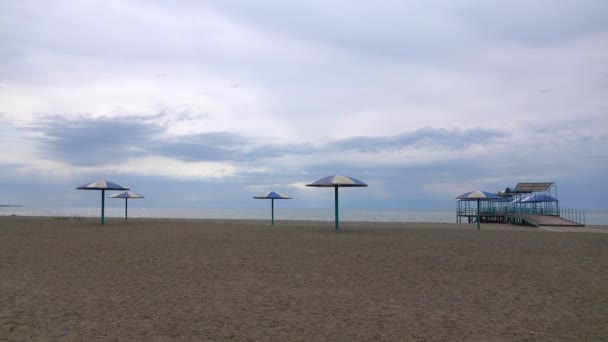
x=71 y=279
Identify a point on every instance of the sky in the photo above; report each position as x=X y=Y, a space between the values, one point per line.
x=205 y=104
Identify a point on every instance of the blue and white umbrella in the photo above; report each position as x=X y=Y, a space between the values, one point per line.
x=272 y=196
x=126 y=195
x=103 y=186
x=478 y=196
x=337 y=182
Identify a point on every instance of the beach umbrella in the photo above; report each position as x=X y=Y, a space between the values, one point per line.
x=337 y=182
x=272 y=196
x=126 y=195
x=478 y=196
x=103 y=186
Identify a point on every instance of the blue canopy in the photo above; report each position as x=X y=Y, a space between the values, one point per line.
x=504 y=199
x=538 y=198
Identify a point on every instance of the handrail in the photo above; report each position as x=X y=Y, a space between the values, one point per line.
x=573 y=215
x=507 y=210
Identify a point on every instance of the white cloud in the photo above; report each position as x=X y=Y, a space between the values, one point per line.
x=53 y=171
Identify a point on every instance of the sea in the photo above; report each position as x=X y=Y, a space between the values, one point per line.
x=597 y=217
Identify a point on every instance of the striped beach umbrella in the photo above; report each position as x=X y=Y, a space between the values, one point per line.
x=478 y=196
x=272 y=196
x=337 y=182
x=103 y=186
x=126 y=195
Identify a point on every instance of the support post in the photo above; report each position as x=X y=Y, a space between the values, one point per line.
x=272 y=211
x=478 y=218
x=103 y=196
x=126 y=201
x=337 y=219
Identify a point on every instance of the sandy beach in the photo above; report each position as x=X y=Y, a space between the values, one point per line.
x=71 y=279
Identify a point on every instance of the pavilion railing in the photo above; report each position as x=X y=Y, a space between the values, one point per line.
x=530 y=211
x=473 y=211
x=573 y=215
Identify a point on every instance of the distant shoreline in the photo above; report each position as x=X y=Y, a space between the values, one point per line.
x=288 y=223
x=116 y=210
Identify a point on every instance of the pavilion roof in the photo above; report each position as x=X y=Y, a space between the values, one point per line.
x=532 y=187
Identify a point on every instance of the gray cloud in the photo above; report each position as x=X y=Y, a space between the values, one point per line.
x=89 y=141
x=451 y=139
x=85 y=140
x=216 y=146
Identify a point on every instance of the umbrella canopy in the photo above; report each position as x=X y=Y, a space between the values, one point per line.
x=272 y=196
x=538 y=198
x=126 y=195
x=478 y=196
x=336 y=182
x=475 y=195
x=102 y=185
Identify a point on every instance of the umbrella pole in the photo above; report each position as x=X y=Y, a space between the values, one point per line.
x=272 y=211
x=337 y=219
x=102 y=204
x=478 y=216
x=126 y=200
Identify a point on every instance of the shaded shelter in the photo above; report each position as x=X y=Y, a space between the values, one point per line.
x=336 y=182
x=478 y=196
x=126 y=195
x=102 y=185
x=272 y=196
x=543 y=204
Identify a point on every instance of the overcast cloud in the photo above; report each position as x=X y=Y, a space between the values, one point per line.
x=207 y=103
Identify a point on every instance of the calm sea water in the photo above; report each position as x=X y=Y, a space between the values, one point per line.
x=370 y=215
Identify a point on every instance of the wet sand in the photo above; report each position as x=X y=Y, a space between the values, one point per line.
x=157 y=280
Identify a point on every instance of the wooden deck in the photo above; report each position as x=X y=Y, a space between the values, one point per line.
x=497 y=216
x=543 y=220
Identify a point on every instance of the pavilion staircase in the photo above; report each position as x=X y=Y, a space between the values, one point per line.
x=566 y=217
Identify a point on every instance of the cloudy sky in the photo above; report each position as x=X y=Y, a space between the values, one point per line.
x=208 y=103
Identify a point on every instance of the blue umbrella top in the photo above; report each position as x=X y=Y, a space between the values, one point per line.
x=102 y=185
x=478 y=195
x=272 y=195
x=127 y=194
x=337 y=181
